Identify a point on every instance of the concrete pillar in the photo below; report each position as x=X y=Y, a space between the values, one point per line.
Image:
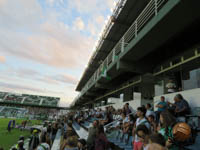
x=128 y=94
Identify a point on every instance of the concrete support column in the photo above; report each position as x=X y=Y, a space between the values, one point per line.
x=128 y=94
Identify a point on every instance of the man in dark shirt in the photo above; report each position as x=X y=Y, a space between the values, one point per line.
x=34 y=140
x=181 y=106
x=92 y=135
x=127 y=109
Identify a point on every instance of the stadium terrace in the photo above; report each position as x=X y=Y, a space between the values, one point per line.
x=139 y=91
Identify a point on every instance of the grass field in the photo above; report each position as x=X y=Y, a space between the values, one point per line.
x=9 y=139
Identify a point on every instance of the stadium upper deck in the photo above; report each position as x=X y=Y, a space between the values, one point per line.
x=25 y=99
x=124 y=14
x=146 y=37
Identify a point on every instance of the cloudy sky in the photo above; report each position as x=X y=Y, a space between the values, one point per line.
x=46 y=44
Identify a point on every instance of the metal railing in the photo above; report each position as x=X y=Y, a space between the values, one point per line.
x=119 y=6
x=145 y=16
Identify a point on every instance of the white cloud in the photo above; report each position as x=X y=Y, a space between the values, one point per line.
x=100 y=20
x=110 y=3
x=79 y=24
x=53 y=39
x=2 y=2
x=31 y=34
x=50 y=2
x=21 y=14
x=91 y=6
x=92 y=28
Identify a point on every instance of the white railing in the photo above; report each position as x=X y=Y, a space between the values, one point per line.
x=56 y=143
x=115 y=121
x=145 y=16
x=119 y=6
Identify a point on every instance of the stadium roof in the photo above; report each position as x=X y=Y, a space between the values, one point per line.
x=126 y=12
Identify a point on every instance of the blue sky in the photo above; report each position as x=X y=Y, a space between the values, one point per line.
x=46 y=44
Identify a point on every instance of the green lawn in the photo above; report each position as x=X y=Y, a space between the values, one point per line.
x=9 y=139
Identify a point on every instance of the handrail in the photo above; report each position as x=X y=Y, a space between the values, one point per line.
x=148 y=12
x=111 y=123
x=56 y=143
x=119 y=6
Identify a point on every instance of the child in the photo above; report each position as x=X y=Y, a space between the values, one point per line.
x=142 y=133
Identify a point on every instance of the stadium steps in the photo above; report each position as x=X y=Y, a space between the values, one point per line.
x=86 y=125
x=123 y=141
x=81 y=132
x=91 y=120
x=56 y=143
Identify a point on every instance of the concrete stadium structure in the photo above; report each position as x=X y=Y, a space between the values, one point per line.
x=144 y=45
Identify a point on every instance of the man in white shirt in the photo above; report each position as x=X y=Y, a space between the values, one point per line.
x=171 y=86
x=149 y=111
x=125 y=118
x=141 y=111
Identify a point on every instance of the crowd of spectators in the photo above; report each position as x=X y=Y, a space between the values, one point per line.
x=149 y=128
x=40 y=139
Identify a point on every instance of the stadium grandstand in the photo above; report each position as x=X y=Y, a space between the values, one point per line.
x=147 y=57
x=29 y=106
x=140 y=90
x=36 y=100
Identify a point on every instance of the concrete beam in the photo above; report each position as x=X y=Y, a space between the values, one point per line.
x=130 y=67
x=120 y=22
x=110 y=40
x=91 y=94
x=103 y=86
x=87 y=97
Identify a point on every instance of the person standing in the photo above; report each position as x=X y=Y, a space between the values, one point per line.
x=13 y=124
x=141 y=120
x=9 y=126
x=171 y=86
x=92 y=135
x=101 y=142
x=34 y=141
